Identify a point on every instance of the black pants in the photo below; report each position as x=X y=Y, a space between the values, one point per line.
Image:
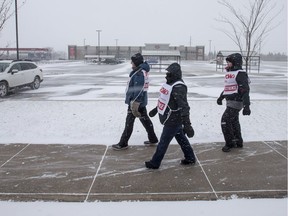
x=231 y=128
x=129 y=124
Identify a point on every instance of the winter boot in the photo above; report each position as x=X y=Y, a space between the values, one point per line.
x=227 y=148
x=187 y=162
x=239 y=143
x=149 y=165
x=148 y=142
x=120 y=146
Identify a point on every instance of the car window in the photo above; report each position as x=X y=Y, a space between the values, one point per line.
x=3 y=66
x=32 y=66
x=25 y=66
x=16 y=66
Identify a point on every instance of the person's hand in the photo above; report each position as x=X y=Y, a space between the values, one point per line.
x=219 y=101
x=134 y=108
x=188 y=129
x=153 y=112
x=246 y=110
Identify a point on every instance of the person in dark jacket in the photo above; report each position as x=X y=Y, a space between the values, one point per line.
x=136 y=99
x=173 y=110
x=236 y=93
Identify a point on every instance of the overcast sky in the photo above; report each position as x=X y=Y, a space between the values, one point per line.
x=59 y=23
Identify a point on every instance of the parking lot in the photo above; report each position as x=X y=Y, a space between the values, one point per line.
x=86 y=81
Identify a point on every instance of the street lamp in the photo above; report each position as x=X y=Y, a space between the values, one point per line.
x=98 y=45
x=116 y=48
x=209 y=55
x=16 y=23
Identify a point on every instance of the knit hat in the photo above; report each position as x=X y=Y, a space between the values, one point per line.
x=137 y=59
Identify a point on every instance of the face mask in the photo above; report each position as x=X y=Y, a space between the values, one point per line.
x=169 y=77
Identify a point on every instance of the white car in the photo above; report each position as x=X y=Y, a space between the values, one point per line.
x=19 y=73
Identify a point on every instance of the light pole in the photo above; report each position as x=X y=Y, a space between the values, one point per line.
x=116 y=48
x=98 y=45
x=209 y=55
x=16 y=23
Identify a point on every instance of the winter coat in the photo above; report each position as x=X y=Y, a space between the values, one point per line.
x=135 y=88
x=178 y=104
x=242 y=98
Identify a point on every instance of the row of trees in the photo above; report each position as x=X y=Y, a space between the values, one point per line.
x=274 y=57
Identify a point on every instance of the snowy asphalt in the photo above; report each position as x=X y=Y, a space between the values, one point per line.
x=79 y=173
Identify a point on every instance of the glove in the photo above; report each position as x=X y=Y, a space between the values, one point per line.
x=188 y=129
x=153 y=112
x=219 y=101
x=246 y=110
x=134 y=108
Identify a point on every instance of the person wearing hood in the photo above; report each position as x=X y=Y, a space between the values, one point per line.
x=173 y=110
x=236 y=92
x=136 y=99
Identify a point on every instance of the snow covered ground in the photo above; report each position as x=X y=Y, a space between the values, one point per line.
x=89 y=119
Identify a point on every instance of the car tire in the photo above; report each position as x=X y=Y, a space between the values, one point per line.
x=3 y=89
x=36 y=83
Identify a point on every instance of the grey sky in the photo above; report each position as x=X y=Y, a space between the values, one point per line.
x=59 y=23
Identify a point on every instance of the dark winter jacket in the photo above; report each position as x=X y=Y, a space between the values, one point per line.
x=242 y=97
x=135 y=89
x=178 y=104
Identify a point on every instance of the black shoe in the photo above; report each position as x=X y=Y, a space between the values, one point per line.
x=187 y=162
x=119 y=147
x=149 y=165
x=238 y=143
x=150 y=142
x=226 y=148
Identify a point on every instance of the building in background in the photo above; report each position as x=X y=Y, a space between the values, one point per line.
x=35 y=54
x=186 y=53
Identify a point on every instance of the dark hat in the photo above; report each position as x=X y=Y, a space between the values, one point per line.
x=235 y=59
x=137 y=59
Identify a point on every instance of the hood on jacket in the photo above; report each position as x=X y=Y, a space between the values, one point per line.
x=145 y=66
x=236 y=60
x=174 y=73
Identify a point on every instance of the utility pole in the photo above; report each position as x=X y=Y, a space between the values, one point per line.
x=116 y=48
x=209 y=50
x=98 y=45
x=16 y=23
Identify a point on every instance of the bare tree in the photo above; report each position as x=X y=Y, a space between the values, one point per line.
x=249 y=29
x=5 y=12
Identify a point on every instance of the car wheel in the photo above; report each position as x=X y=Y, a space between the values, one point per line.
x=3 y=89
x=36 y=83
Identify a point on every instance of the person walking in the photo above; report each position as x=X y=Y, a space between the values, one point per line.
x=173 y=110
x=236 y=92
x=137 y=99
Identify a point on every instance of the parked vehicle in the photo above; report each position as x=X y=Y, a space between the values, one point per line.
x=17 y=74
x=112 y=61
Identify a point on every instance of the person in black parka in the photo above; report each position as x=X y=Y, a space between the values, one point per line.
x=173 y=110
x=236 y=92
